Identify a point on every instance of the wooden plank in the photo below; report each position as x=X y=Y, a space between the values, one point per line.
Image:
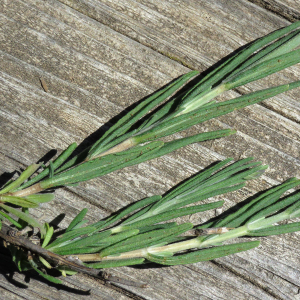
x=288 y=9
x=105 y=57
x=177 y=37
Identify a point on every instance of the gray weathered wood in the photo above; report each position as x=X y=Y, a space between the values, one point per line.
x=97 y=58
x=288 y=9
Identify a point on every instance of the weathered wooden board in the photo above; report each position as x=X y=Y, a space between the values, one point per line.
x=288 y=9
x=97 y=58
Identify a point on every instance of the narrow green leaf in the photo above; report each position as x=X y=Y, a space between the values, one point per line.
x=229 y=65
x=116 y=263
x=283 y=45
x=193 y=182
x=227 y=180
x=95 y=168
x=133 y=207
x=252 y=211
x=48 y=277
x=157 y=226
x=182 y=122
x=203 y=255
x=293 y=210
x=145 y=240
x=47 y=226
x=179 y=143
x=11 y=220
x=57 y=163
x=18 y=201
x=77 y=159
x=224 y=180
x=24 y=175
x=264 y=69
x=275 y=230
x=102 y=223
x=66 y=271
x=48 y=237
x=246 y=211
x=99 y=166
x=40 y=198
x=76 y=251
x=279 y=205
x=51 y=169
x=23 y=216
x=98 y=240
x=174 y=214
x=69 y=236
x=213 y=193
x=80 y=224
x=44 y=262
x=77 y=219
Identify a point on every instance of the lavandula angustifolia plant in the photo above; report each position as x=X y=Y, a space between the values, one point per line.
x=134 y=139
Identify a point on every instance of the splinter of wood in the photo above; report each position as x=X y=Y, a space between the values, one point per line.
x=44 y=85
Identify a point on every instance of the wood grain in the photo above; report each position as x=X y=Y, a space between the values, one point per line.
x=97 y=58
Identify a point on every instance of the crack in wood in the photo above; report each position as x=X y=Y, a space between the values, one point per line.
x=278 y=9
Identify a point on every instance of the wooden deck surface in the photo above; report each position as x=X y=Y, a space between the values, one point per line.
x=99 y=56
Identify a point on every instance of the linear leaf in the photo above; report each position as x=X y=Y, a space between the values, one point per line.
x=24 y=175
x=265 y=68
x=174 y=145
x=278 y=229
x=57 y=163
x=23 y=216
x=76 y=251
x=77 y=219
x=96 y=168
x=279 y=205
x=66 y=237
x=40 y=198
x=237 y=218
x=194 y=181
x=165 y=216
x=281 y=46
x=18 y=201
x=45 y=262
x=48 y=236
x=145 y=240
x=133 y=207
x=184 y=121
x=10 y=219
x=203 y=255
x=95 y=241
x=229 y=65
x=116 y=263
x=48 y=277
x=99 y=166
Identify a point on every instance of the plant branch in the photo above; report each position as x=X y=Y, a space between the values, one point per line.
x=11 y=236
